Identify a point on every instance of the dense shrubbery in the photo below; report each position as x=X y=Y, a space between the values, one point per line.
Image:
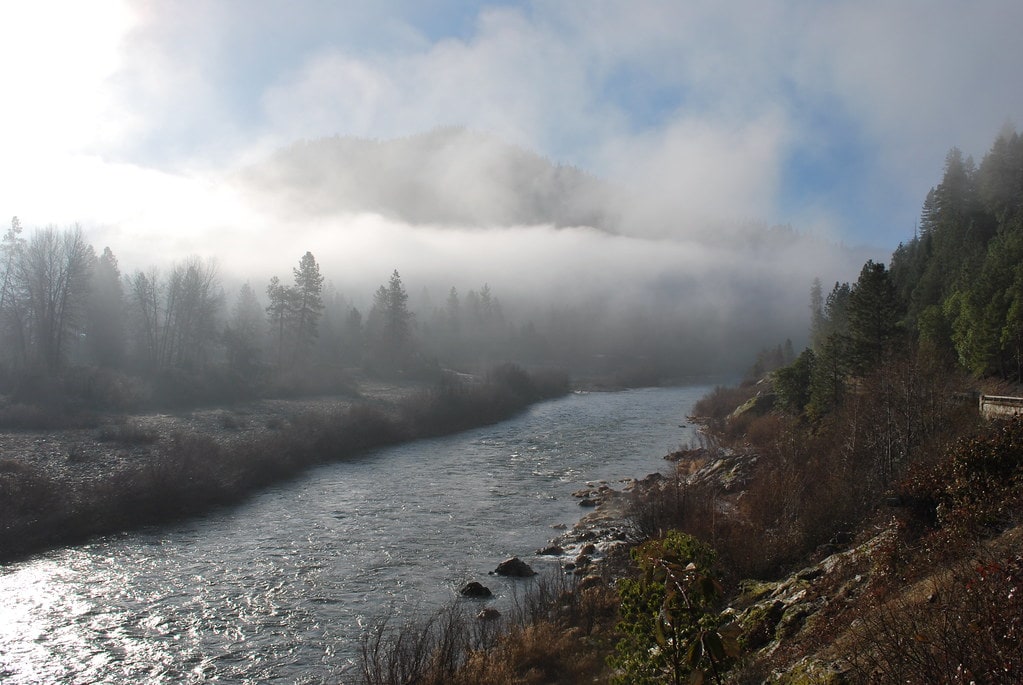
x=966 y=627
x=810 y=482
x=722 y=401
x=974 y=492
x=455 y=404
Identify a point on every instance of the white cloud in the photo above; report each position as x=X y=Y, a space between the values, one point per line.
x=696 y=174
x=702 y=104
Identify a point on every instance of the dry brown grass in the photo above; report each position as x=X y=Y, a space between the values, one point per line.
x=556 y=633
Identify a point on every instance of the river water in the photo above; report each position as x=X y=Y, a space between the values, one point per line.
x=282 y=587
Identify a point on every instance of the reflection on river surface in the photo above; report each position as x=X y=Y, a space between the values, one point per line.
x=282 y=587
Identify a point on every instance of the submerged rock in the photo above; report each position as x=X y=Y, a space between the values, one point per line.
x=476 y=591
x=515 y=568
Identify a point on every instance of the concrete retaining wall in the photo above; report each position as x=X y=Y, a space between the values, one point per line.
x=997 y=407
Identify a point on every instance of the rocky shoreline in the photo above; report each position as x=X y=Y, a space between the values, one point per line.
x=607 y=531
x=595 y=550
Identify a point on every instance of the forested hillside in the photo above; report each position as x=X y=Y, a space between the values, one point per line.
x=954 y=292
x=961 y=277
x=865 y=470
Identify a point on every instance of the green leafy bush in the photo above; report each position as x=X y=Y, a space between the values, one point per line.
x=671 y=630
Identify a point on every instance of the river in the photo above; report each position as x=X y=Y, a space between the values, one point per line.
x=282 y=587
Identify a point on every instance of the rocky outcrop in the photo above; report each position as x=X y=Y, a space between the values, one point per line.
x=777 y=616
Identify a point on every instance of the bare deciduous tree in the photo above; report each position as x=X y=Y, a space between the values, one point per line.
x=54 y=272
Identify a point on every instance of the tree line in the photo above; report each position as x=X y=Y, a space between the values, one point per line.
x=65 y=309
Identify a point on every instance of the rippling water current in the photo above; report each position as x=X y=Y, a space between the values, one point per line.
x=281 y=588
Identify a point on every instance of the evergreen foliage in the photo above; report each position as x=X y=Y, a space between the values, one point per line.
x=961 y=276
x=873 y=313
x=672 y=631
x=390 y=327
x=955 y=291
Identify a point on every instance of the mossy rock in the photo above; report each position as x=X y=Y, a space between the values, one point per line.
x=756 y=590
x=759 y=623
x=795 y=618
x=758 y=405
x=811 y=672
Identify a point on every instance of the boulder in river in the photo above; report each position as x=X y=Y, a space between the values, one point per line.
x=515 y=568
x=476 y=591
x=551 y=551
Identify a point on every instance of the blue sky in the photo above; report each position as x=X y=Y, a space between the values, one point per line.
x=833 y=117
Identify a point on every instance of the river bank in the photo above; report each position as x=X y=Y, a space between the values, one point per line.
x=62 y=487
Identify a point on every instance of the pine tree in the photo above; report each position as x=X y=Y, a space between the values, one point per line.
x=390 y=325
x=817 y=333
x=308 y=302
x=278 y=313
x=874 y=313
x=243 y=334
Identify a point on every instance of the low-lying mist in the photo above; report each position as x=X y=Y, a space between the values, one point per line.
x=560 y=249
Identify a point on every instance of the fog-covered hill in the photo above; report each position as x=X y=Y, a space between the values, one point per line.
x=449 y=176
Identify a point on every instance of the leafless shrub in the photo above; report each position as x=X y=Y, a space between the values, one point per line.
x=965 y=628
x=424 y=650
x=549 y=635
x=24 y=491
x=26 y=416
x=662 y=506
